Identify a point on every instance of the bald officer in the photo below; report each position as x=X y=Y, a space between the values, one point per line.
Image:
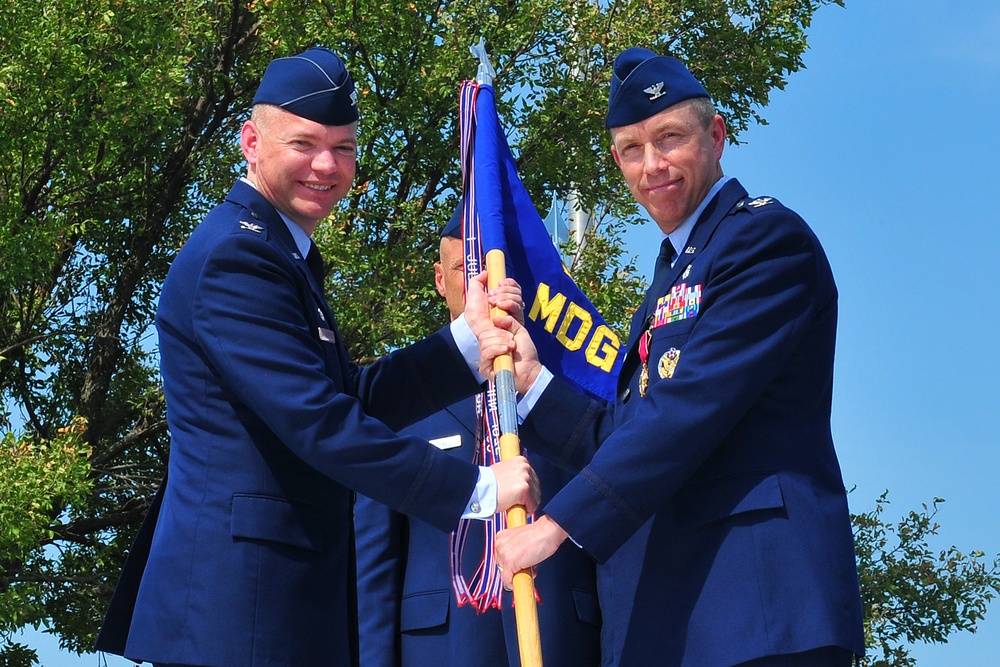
x=710 y=490
x=247 y=555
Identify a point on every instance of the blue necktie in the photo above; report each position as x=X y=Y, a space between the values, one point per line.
x=315 y=262
x=660 y=272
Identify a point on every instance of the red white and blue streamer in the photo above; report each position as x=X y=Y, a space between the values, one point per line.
x=485 y=588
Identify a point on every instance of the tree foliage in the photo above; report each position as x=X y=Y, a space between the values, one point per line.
x=35 y=474
x=909 y=592
x=118 y=127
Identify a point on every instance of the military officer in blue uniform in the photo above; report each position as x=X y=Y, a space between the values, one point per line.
x=710 y=490
x=246 y=557
x=408 y=612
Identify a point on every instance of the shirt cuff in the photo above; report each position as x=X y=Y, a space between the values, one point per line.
x=468 y=345
x=530 y=397
x=483 y=502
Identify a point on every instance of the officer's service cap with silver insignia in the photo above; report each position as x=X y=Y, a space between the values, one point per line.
x=644 y=84
x=314 y=84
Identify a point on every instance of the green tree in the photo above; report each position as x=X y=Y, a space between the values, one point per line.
x=910 y=593
x=118 y=126
x=32 y=473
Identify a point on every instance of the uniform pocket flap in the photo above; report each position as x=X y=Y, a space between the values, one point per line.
x=277 y=520
x=588 y=610
x=721 y=498
x=424 y=610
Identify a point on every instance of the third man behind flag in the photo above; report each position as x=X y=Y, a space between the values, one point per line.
x=408 y=613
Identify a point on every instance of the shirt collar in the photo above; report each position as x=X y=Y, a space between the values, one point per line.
x=679 y=237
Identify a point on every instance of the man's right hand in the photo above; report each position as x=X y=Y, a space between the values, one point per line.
x=507 y=336
x=517 y=484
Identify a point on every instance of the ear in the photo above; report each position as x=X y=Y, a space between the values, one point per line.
x=614 y=154
x=249 y=139
x=718 y=135
x=439 y=279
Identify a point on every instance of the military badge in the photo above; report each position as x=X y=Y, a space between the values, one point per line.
x=253 y=227
x=644 y=357
x=643 y=379
x=655 y=91
x=683 y=302
x=668 y=362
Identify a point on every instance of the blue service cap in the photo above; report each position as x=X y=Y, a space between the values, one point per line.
x=314 y=85
x=454 y=226
x=644 y=84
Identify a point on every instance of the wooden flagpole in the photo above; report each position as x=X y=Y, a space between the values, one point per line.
x=525 y=609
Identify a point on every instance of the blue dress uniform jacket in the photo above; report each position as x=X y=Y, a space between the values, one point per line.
x=409 y=616
x=247 y=557
x=715 y=502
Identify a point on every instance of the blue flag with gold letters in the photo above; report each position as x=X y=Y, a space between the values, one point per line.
x=572 y=337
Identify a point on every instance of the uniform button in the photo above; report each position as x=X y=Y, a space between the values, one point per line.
x=627 y=394
x=475 y=507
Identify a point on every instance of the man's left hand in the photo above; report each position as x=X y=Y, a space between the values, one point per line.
x=526 y=546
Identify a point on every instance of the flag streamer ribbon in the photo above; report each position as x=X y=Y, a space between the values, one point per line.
x=483 y=233
x=485 y=589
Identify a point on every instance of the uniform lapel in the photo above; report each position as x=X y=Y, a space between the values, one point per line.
x=260 y=209
x=720 y=206
x=464 y=413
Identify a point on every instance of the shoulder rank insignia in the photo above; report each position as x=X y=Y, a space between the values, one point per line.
x=253 y=227
x=760 y=201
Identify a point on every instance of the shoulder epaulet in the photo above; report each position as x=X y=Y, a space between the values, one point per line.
x=756 y=203
x=249 y=221
x=251 y=226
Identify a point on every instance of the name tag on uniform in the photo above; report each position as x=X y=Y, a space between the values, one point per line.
x=326 y=335
x=449 y=442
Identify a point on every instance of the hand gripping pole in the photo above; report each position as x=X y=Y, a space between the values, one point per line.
x=525 y=610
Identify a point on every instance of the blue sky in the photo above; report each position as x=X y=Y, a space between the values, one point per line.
x=887 y=146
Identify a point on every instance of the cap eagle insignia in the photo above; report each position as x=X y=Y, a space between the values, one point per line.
x=655 y=91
